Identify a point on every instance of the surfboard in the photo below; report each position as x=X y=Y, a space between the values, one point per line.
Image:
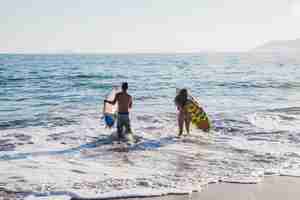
x=199 y=118
x=109 y=110
x=198 y=115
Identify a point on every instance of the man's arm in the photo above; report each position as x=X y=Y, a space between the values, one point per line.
x=130 y=102
x=113 y=101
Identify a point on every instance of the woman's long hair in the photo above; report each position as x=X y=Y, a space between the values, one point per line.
x=181 y=98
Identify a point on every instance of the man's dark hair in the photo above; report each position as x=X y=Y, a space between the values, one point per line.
x=124 y=86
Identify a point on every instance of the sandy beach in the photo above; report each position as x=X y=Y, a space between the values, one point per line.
x=275 y=188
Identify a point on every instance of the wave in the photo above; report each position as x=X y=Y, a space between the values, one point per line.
x=143 y=98
x=68 y=195
x=96 y=76
x=260 y=85
x=288 y=110
x=39 y=79
x=274 y=122
x=142 y=145
x=38 y=121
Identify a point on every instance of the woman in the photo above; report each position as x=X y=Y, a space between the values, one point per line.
x=184 y=117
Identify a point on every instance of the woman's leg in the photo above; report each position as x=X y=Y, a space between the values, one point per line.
x=187 y=121
x=180 y=122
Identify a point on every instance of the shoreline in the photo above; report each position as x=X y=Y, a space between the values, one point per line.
x=273 y=187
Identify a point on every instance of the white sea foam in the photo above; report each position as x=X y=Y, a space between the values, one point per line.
x=80 y=160
x=275 y=121
x=62 y=149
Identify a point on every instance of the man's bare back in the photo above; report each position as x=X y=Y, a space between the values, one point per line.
x=124 y=102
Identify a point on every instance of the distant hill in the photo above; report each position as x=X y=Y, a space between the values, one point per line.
x=280 y=46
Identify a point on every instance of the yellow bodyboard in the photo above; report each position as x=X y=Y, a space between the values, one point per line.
x=198 y=116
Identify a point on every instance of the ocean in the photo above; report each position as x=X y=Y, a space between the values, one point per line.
x=53 y=141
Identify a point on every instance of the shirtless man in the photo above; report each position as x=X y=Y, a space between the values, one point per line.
x=124 y=104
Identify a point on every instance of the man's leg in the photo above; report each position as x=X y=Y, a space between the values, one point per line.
x=127 y=125
x=119 y=127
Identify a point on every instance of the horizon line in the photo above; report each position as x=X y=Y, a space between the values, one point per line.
x=121 y=53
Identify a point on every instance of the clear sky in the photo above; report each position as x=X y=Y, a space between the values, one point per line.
x=122 y=26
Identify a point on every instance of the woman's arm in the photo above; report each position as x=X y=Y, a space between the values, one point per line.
x=113 y=101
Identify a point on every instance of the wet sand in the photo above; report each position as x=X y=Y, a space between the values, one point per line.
x=274 y=188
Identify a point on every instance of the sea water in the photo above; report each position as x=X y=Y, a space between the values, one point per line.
x=53 y=141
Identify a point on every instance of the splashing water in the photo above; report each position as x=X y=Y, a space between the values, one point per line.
x=53 y=141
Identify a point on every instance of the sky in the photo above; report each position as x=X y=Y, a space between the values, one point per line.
x=144 y=26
